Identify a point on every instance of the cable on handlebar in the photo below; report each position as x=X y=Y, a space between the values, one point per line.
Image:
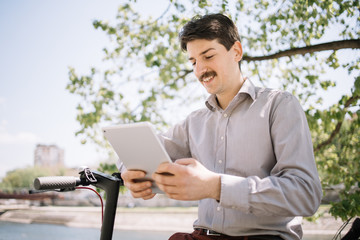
x=102 y=204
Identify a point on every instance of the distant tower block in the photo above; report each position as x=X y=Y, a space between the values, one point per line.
x=48 y=156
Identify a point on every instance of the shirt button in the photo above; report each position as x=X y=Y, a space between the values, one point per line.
x=218 y=208
x=220 y=161
x=222 y=138
x=225 y=115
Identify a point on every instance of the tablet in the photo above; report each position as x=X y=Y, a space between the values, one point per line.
x=138 y=147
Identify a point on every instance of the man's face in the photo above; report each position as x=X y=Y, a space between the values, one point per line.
x=216 y=68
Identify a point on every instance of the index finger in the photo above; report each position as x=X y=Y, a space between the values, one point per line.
x=170 y=169
x=165 y=167
x=130 y=175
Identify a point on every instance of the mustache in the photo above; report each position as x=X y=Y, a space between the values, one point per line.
x=207 y=74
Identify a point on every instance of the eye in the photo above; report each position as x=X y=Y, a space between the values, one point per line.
x=193 y=63
x=209 y=57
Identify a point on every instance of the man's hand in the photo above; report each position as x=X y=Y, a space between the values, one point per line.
x=138 y=189
x=190 y=180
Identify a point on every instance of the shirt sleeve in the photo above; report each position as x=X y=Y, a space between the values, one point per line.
x=293 y=187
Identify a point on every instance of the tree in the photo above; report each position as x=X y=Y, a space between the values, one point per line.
x=287 y=44
x=22 y=178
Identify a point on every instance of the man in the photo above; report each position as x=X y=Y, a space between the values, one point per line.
x=247 y=156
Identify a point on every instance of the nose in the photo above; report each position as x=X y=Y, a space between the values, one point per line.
x=199 y=69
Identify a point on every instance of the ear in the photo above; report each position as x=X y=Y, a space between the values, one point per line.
x=238 y=51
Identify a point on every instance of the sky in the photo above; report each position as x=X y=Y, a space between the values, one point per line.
x=39 y=40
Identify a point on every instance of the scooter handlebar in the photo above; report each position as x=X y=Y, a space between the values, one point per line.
x=56 y=182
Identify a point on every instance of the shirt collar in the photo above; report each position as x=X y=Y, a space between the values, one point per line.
x=247 y=88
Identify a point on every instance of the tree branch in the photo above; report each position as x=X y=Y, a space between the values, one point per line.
x=338 y=125
x=336 y=45
x=186 y=72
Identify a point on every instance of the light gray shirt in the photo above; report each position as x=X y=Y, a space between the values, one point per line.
x=261 y=146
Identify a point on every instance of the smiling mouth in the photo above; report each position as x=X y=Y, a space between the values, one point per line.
x=206 y=77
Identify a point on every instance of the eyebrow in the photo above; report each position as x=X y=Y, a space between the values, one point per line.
x=202 y=53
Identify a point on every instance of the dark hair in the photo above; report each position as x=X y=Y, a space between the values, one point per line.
x=210 y=27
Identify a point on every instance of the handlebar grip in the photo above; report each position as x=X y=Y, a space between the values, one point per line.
x=55 y=182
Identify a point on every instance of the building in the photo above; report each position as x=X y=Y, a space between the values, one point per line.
x=48 y=156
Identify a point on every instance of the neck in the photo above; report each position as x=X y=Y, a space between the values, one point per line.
x=225 y=99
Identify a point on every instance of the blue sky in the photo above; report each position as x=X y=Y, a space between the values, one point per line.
x=38 y=41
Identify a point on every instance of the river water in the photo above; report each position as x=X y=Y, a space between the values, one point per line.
x=20 y=231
